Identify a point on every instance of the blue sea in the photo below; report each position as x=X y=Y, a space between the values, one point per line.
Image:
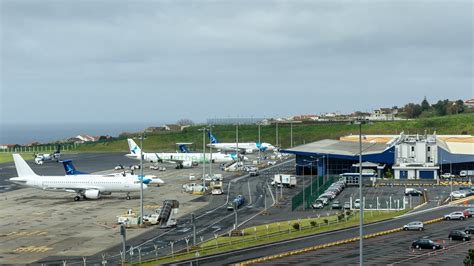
x=43 y=133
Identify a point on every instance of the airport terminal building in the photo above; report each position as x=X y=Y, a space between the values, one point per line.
x=403 y=156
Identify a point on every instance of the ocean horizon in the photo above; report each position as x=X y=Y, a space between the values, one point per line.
x=27 y=133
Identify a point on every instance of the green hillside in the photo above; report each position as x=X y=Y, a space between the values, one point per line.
x=302 y=133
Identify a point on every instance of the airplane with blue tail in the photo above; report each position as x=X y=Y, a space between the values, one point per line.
x=71 y=170
x=182 y=160
x=244 y=147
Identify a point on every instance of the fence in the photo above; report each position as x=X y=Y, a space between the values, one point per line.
x=317 y=187
x=39 y=148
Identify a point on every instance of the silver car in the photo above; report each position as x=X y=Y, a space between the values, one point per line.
x=414 y=226
x=455 y=216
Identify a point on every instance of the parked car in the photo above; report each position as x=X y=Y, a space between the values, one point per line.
x=448 y=175
x=416 y=225
x=336 y=205
x=458 y=194
x=134 y=167
x=455 y=216
x=324 y=200
x=271 y=163
x=357 y=204
x=459 y=235
x=425 y=243
x=347 y=205
x=469 y=212
x=118 y=167
x=469 y=229
x=318 y=204
x=412 y=192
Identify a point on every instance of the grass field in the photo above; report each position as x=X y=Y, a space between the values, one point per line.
x=276 y=231
x=302 y=133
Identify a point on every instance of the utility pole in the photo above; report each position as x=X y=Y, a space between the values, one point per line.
x=210 y=153
x=123 y=233
x=260 y=142
x=361 y=222
x=276 y=133
x=203 y=156
x=237 y=142
x=193 y=222
x=291 y=135
x=140 y=220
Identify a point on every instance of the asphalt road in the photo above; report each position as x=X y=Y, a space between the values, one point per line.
x=210 y=220
x=256 y=252
x=391 y=249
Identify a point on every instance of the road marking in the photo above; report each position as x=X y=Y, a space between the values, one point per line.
x=27 y=233
x=32 y=249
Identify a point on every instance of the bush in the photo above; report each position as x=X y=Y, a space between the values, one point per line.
x=326 y=221
x=348 y=212
x=340 y=216
x=296 y=226
x=312 y=223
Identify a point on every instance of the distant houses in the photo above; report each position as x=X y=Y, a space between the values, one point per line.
x=167 y=127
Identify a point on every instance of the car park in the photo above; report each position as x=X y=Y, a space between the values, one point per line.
x=459 y=235
x=416 y=225
x=425 y=244
x=336 y=205
x=455 y=216
x=469 y=229
x=469 y=212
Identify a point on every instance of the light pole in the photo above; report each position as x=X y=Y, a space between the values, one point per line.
x=276 y=124
x=203 y=156
x=237 y=142
x=140 y=221
x=450 y=178
x=260 y=142
x=291 y=135
x=210 y=153
x=361 y=205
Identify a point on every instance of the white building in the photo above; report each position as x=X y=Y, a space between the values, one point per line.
x=416 y=157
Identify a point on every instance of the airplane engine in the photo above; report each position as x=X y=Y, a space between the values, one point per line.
x=92 y=194
x=187 y=164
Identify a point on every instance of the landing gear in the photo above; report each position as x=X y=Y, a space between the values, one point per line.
x=128 y=197
x=77 y=198
x=179 y=166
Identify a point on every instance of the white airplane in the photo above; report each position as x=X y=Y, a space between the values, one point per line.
x=183 y=160
x=41 y=158
x=148 y=179
x=85 y=186
x=244 y=147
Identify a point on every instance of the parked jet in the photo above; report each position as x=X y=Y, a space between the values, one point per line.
x=183 y=160
x=87 y=186
x=41 y=158
x=244 y=147
x=148 y=179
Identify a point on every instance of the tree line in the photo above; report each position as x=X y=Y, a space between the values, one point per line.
x=441 y=108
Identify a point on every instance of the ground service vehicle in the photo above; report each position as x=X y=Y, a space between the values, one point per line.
x=414 y=226
x=465 y=173
x=357 y=204
x=236 y=203
x=285 y=180
x=425 y=243
x=459 y=235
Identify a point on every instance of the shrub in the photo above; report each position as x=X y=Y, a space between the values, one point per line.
x=326 y=221
x=348 y=212
x=312 y=223
x=296 y=226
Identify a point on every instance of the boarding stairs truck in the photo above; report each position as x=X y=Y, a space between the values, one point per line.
x=233 y=167
x=168 y=213
x=284 y=180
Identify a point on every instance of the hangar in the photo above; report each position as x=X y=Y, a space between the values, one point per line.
x=404 y=156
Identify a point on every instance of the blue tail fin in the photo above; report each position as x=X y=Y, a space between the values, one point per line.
x=183 y=148
x=212 y=138
x=70 y=169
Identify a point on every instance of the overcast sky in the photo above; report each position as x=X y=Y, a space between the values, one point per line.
x=149 y=61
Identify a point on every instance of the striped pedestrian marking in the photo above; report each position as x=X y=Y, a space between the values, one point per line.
x=27 y=233
x=32 y=249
